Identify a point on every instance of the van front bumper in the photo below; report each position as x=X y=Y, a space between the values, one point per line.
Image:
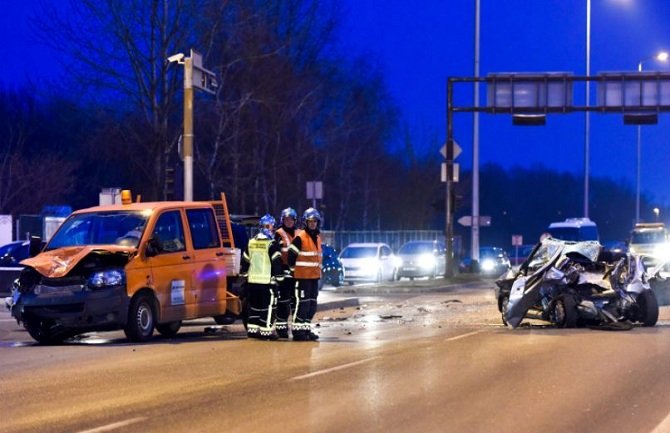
x=74 y=307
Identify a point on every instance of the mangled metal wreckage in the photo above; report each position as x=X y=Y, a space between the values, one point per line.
x=571 y=284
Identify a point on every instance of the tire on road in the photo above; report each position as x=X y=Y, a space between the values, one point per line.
x=564 y=312
x=169 y=329
x=45 y=332
x=648 y=308
x=141 y=318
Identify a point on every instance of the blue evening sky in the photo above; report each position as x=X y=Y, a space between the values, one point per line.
x=418 y=44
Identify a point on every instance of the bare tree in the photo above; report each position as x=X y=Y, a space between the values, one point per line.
x=28 y=178
x=120 y=48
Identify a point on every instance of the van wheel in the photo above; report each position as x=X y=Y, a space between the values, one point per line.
x=141 y=319
x=43 y=332
x=169 y=329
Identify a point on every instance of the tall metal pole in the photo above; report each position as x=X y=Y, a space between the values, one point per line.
x=475 y=149
x=587 y=114
x=449 y=211
x=188 y=129
x=639 y=156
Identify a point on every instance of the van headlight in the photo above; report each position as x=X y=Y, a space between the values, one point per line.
x=107 y=278
x=662 y=252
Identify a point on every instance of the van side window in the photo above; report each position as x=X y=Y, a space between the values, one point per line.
x=202 y=224
x=170 y=232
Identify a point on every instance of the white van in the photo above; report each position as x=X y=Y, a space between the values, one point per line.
x=649 y=239
x=574 y=229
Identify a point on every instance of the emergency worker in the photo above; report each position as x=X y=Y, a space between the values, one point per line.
x=261 y=264
x=305 y=258
x=284 y=237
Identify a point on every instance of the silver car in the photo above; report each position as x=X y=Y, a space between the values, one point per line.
x=422 y=259
x=374 y=262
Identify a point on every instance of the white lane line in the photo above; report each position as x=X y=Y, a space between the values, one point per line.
x=115 y=425
x=339 y=367
x=458 y=337
x=663 y=427
x=7 y=320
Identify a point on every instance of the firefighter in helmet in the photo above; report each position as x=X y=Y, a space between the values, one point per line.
x=305 y=258
x=261 y=263
x=284 y=237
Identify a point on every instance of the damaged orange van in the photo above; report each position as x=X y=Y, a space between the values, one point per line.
x=136 y=267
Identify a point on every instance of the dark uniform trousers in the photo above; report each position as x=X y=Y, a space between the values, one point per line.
x=306 y=292
x=262 y=309
x=285 y=304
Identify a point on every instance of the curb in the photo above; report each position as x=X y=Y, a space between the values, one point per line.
x=336 y=304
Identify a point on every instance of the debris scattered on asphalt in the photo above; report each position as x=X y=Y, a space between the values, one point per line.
x=390 y=316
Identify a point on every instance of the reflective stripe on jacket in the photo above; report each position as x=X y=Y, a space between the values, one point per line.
x=260 y=266
x=308 y=262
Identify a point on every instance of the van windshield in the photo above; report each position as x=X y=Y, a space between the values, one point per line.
x=100 y=228
x=585 y=233
x=648 y=237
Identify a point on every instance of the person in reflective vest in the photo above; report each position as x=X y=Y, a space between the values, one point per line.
x=305 y=259
x=284 y=237
x=261 y=264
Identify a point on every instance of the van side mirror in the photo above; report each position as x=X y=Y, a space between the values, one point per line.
x=153 y=246
x=35 y=246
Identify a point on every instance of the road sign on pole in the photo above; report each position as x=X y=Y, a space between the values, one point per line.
x=457 y=150
x=466 y=220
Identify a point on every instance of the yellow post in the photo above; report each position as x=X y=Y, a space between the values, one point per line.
x=188 y=129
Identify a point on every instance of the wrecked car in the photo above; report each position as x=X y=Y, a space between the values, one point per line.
x=571 y=284
x=136 y=267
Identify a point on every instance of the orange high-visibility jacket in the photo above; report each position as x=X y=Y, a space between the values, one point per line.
x=308 y=262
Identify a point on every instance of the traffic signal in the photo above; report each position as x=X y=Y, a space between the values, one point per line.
x=169 y=183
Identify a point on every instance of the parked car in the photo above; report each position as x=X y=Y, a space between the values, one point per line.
x=332 y=270
x=368 y=262
x=11 y=255
x=421 y=259
x=492 y=261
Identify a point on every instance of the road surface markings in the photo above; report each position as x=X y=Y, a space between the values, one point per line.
x=664 y=426
x=114 y=426
x=328 y=370
x=458 y=337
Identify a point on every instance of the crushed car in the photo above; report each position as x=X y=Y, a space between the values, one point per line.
x=573 y=284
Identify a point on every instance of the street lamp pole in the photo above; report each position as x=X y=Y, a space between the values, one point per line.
x=475 y=149
x=195 y=77
x=588 y=99
x=661 y=56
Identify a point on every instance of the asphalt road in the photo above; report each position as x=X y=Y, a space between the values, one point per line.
x=399 y=361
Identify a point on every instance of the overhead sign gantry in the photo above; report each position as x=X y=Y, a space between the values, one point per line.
x=530 y=97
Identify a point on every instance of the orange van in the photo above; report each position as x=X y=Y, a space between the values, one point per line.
x=136 y=267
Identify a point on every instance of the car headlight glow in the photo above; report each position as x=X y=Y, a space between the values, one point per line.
x=426 y=261
x=662 y=252
x=107 y=278
x=370 y=266
x=488 y=265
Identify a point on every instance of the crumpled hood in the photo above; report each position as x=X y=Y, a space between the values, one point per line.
x=57 y=263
